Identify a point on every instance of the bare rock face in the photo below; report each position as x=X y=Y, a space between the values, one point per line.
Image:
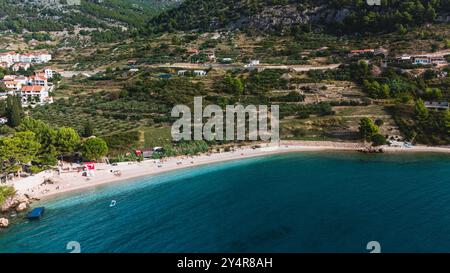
x=21 y=207
x=4 y=223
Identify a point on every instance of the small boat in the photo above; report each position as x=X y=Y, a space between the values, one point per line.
x=36 y=213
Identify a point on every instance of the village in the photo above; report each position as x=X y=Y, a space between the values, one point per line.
x=33 y=90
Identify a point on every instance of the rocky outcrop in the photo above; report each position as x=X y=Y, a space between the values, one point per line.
x=10 y=203
x=12 y=206
x=282 y=18
x=22 y=207
x=4 y=223
x=20 y=203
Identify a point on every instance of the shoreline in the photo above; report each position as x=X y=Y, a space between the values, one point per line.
x=69 y=182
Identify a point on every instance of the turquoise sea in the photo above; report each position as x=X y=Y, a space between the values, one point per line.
x=303 y=202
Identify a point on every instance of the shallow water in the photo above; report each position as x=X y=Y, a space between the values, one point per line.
x=303 y=202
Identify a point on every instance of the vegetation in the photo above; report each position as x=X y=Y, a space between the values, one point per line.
x=37 y=145
x=5 y=192
x=94 y=148
x=368 y=129
x=391 y=15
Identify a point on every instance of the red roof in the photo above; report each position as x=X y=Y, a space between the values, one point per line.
x=38 y=78
x=32 y=88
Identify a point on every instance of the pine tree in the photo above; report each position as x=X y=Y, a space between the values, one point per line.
x=13 y=111
x=88 y=130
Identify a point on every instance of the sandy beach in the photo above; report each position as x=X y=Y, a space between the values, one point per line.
x=73 y=180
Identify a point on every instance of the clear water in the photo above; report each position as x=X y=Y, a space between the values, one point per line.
x=305 y=202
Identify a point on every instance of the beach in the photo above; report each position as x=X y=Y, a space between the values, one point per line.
x=72 y=180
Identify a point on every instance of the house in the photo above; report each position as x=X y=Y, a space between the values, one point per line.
x=9 y=57
x=427 y=60
x=438 y=60
x=254 y=62
x=181 y=72
x=42 y=58
x=38 y=80
x=404 y=59
x=13 y=85
x=17 y=66
x=200 y=72
x=35 y=93
x=22 y=79
x=437 y=105
x=192 y=51
x=424 y=60
x=226 y=60
x=48 y=72
x=27 y=58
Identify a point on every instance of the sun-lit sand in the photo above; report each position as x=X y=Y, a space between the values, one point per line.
x=73 y=180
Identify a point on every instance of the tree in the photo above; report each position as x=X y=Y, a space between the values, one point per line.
x=88 y=129
x=420 y=111
x=67 y=140
x=447 y=121
x=2 y=108
x=378 y=140
x=5 y=192
x=367 y=128
x=13 y=111
x=94 y=148
x=18 y=150
x=233 y=85
x=45 y=135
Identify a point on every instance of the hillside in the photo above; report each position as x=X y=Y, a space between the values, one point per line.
x=57 y=15
x=284 y=16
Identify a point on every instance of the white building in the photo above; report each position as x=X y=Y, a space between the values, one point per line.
x=35 y=94
x=27 y=58
x=254 y=62
x=181 y=72
x=9 y=57
x=38 y=80
x=199 y=72
x=13 y=85
x=226 y=60
x=43 y=58
x=45 y=73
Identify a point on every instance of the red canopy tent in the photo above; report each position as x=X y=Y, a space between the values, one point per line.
x=90 y=165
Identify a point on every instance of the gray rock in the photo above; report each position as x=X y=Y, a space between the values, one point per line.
x=4 y=223
x=21 y=207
